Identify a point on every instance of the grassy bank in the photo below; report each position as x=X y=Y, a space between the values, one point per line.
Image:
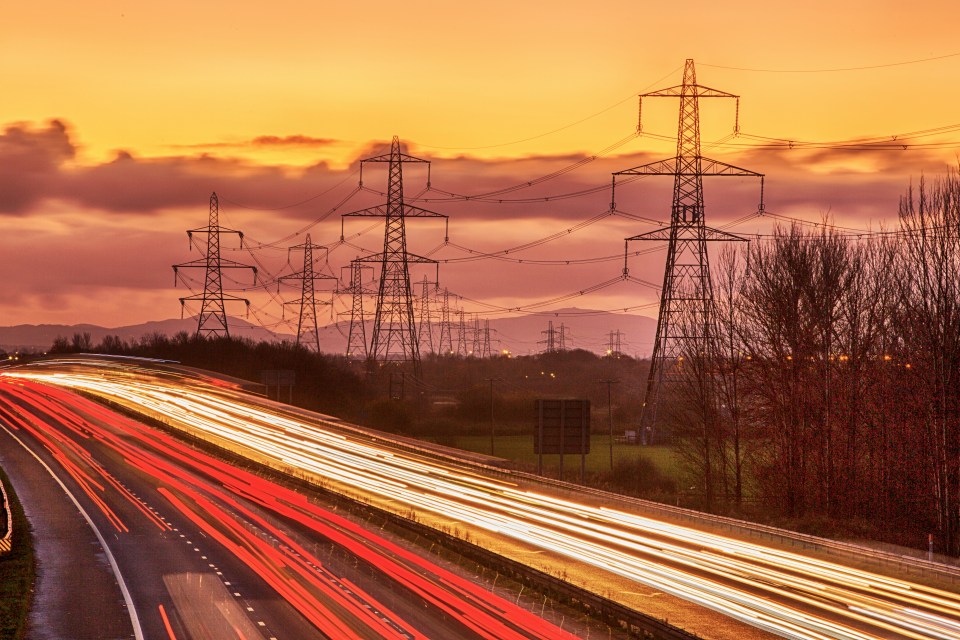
x=17 y=572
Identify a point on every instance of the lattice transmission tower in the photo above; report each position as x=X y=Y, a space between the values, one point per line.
x=463 y=348
x=685 y=323
x=212 y=321
x=551 y=338
x=425 y=316
x=394 y=327
x=357 y=335
x=308 y=334
x=485 y=349
x=446 y=325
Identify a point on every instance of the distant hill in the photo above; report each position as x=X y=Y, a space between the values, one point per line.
x=521 y=335
x=39 y=337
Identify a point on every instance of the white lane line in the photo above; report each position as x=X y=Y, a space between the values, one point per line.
x=134 y=618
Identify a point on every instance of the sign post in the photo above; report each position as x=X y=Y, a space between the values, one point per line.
x=563 y=426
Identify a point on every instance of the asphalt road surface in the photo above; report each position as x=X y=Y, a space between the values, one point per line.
x=773 y=590
x=174 y=544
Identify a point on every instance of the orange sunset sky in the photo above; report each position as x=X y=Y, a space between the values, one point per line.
x=119 y=118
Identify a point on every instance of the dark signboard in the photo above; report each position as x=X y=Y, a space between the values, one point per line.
x=562 y=426
x=278 y=377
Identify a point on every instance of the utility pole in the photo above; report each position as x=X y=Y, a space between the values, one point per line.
x=357 y=335
x=610 y=382
x=394 y=328
x=686 y=317
x=212 y=321
x=308 y=335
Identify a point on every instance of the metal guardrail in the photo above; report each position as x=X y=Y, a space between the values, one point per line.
x=6 y=542
x=879 y=559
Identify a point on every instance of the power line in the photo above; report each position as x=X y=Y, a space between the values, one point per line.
x=835 y=69
x=559 y=129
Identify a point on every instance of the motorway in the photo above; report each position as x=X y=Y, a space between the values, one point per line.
x=201 y=549
x=775 y=591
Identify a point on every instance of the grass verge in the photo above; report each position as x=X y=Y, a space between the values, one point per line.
x=17 y=572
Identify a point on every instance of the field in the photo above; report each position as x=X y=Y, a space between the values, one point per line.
x=520 y=449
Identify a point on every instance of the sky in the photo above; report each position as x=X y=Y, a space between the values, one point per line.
x=118 y=119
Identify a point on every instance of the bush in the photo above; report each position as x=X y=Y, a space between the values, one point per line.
x=641 y=478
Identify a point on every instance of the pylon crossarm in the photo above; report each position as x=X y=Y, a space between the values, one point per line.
x=199 y=262
x=379 y=210
x=411 y=258
x=226 y=298
x=411 y=211
x=697 y=90
x=231 y=264
x=321 y=303
x=299 y=276
x=693 y=232
x=385 y=157
x=709 y=167
x=214 y=230
x=657 y=168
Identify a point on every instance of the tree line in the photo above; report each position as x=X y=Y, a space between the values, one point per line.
x=831 y=384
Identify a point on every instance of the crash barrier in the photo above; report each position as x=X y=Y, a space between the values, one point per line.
x=7 y=540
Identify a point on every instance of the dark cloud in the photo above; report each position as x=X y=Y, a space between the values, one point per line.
x=129 y=252
x=31 y=159
x=265 y=141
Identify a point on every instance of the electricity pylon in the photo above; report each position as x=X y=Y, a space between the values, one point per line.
x=357 y=336
x=613 y=346
x=485 y=350
x=551 y=339
x=212 y=320
x=685 y=323
x=446 y=326
x=394 y=327
x=425 y=318
x=477 y=338
x=308 y=334
x=462 y=348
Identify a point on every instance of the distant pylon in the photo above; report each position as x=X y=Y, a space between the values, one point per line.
x=485 y=350
x=394 y=327
x=686 y=317
x=477 y=341
x=425 y=319
x=551 y=339
x=308 y=334
x=212 y=320
x=357 y=336
x=562 y=341
x=446 y=326
x=613 y=346
x=463 y=348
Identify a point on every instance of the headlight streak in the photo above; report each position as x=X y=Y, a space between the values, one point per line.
x=606 y=538
x=287 y=566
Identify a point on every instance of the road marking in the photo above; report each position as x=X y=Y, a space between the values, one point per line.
x=134 y=618
x=166 y=623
